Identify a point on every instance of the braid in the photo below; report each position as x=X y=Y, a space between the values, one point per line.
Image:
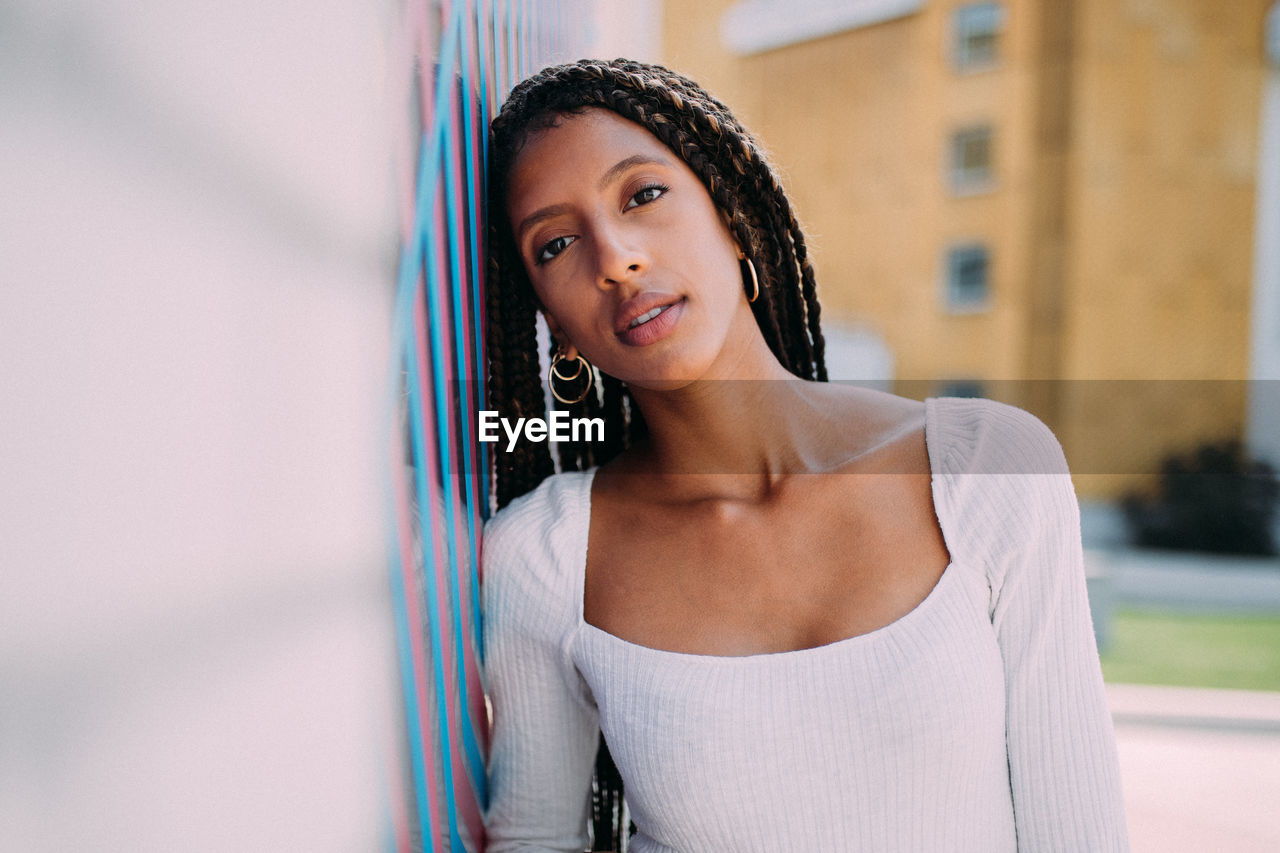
x=514 y=388
x=737 y=175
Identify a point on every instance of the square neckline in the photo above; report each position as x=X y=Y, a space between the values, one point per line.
x=902 y=622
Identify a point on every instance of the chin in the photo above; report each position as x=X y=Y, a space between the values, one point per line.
x=660 y=384
x=667 y=380
x=668 y=369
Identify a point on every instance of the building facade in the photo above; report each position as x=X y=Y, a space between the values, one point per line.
x=1049 y=203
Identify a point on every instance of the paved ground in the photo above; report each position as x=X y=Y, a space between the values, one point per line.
x=1175 y=579
x=1201 y=768
x=1189 y=581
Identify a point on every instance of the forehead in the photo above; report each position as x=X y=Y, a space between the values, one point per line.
x=578 y=148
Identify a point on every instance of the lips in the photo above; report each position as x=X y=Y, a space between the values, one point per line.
x=639 y=305
x=653 y=314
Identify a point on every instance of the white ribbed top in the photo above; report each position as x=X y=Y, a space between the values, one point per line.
x=977 y=722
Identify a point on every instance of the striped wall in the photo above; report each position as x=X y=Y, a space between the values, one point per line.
x=459 y=59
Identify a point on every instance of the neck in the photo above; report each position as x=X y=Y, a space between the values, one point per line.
x=740 y=436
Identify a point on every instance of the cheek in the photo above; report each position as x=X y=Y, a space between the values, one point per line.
x=717 y=260
x=714 y=242
x=571 y=315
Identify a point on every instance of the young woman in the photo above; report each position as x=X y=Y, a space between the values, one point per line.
x=804 y=616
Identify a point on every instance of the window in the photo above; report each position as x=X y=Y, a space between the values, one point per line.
x=968 y=279
x=976 y=36
x=960 y=388
x=752 y=26
x=971 y=158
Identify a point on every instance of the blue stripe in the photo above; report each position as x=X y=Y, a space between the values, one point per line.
x=405 y=358
x=506 y=27
x=429 y=585
x=475 y=189
x=485 y=117
x=441 y=144
x=515 y=19
x=440 y=366
x=428 y=187
x=404 y=645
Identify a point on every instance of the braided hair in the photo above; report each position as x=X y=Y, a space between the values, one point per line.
x=702 y=132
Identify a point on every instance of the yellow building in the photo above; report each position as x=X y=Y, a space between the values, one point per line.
x=1020 y=191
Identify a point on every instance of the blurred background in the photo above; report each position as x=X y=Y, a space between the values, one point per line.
x=198 y=233
x=1073 y=207
x=239 y=265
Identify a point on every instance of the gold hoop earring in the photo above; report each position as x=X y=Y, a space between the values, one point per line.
x=755 y=282
x=553 y=375
x=559 y=357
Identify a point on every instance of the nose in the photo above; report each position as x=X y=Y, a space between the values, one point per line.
x=620 y=257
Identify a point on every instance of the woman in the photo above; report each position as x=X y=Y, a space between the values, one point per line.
x=778 y=661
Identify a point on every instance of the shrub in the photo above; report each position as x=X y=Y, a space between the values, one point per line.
x=1213 y=499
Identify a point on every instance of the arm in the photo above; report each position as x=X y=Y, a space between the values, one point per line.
x=545 y=728
x=1063 y=769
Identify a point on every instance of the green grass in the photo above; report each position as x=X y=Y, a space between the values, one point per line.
x=1194 y=651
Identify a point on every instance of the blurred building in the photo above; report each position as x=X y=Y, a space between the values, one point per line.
x=1027 y=190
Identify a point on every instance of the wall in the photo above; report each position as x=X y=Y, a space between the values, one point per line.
x=196 y=650
x=464 y=57
x=1166 y=123
x=239 y=244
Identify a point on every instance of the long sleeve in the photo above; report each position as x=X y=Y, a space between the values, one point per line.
x=545 y=727
x=1063 y=768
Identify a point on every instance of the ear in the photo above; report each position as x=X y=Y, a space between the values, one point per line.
x=728 y=224
x=570 y=351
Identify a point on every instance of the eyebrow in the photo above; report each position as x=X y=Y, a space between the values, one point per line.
x=622 y=165
x=609 y=176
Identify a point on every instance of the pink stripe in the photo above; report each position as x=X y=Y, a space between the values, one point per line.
x=399 y=793
x=479 y=133
x=475 y=139
x=431 y=451
x=472 y=43
x=465 y=540
x=408 y=562
x=459 y=248
x=495 y=33
x=464 y=796
x=464 y=790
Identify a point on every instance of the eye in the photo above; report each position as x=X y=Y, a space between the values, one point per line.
x=645 y=195
x=554 y=247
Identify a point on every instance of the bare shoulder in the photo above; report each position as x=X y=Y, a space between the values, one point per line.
x=884 y=432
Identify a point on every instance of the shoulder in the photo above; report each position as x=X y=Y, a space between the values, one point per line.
x=1000 y=478
x=559 y=502
x=980 y=436
x=530 y=595
x=532 y=546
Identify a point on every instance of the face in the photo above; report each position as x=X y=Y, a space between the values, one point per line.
x=630 y=258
